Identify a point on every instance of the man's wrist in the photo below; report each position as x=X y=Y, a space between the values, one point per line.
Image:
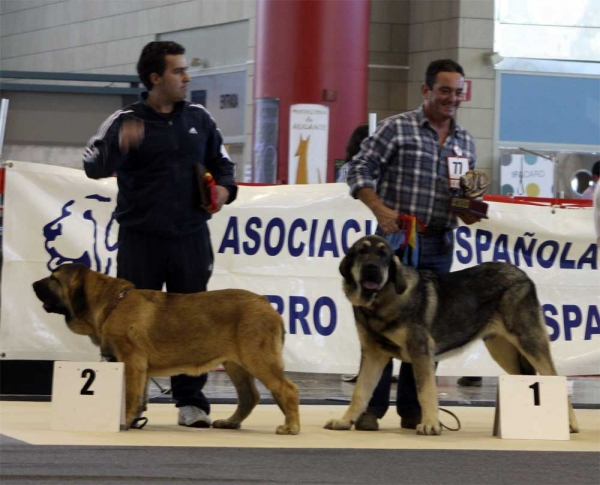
x=231 y=192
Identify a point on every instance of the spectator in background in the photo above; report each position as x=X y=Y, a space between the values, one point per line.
x=353 y=147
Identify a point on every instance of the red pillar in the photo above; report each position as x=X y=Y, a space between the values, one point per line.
x=304 y=47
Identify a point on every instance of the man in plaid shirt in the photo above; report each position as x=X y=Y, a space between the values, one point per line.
x=403 y=168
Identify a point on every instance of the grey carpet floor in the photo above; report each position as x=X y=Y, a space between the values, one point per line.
x=24 y=464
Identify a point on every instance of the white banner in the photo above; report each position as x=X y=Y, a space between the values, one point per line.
x=309 y=134
x=287 y=242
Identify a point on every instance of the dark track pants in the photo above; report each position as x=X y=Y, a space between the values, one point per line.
x=184 y=265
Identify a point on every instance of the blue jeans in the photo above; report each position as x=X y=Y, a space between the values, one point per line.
x=435 y=255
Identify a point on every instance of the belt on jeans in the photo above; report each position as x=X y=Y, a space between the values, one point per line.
x=435 y=231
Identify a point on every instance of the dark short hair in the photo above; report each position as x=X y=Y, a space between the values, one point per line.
x=153 y=59
x=596 y=168
x=358 y=135
x=441 y=65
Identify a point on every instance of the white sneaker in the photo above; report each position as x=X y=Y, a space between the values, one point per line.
x=193 y=417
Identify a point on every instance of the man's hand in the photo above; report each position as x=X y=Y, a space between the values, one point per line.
x=131 y=135
x=222 y=197
x=468 y=219
x=387 y=219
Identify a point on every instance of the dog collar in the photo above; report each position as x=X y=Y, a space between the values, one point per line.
x=119 y=298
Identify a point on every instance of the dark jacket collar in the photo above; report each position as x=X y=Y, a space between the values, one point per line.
x=178 y=107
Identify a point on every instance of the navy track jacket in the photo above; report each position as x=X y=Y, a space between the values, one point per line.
x=158 y=193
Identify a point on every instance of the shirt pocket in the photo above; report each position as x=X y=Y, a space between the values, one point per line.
x=417 y=159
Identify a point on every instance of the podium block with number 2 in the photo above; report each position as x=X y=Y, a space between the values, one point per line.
x=88 y=396
x=532 y=408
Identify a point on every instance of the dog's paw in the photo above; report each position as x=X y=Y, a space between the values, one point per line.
x=130 y=420
x=285 y=429
x=226 y=424
x=429 y=428
x=338 y=424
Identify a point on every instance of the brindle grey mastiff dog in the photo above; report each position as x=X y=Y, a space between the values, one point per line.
x=417 y=316
x=163 y=334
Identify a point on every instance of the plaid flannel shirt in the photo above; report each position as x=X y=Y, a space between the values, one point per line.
x=405 y=165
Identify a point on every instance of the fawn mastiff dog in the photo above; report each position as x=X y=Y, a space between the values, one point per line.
x=164 y=334
x=417 y=316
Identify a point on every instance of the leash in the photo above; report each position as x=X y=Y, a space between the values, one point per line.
x=138 y=424
x=406 y=239
x=411 y=226
x=454 y=416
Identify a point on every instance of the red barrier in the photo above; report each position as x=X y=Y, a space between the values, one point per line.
x=256 y=184
x=2 y=174
x=564 y=203
x=550 y=201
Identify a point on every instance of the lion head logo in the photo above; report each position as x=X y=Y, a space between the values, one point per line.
x=82 y=234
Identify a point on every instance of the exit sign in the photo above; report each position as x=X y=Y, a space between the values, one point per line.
x=467 y=91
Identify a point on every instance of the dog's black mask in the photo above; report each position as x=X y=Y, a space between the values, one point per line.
x=51 y=302
x=374 y=254
x=370 y=278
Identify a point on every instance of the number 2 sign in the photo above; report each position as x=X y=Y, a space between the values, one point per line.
x=532 y=408
x=88 y=396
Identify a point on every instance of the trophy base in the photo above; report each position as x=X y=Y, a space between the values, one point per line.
x=465 y=205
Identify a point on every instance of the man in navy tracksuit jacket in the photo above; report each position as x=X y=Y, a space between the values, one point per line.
x=152 y=146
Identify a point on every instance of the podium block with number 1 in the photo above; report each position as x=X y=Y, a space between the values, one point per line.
x=532 y=408
x=88 y=396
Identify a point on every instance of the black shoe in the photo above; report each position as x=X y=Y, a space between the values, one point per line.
x=366 y=422
x=468 y=381
x=410 y=422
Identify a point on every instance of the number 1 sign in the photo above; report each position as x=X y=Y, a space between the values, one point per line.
x=532 y=408
x=88 y=396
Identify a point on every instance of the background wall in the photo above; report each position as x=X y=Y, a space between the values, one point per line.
x=461 y=30
x=107 y=36
x=406 y=35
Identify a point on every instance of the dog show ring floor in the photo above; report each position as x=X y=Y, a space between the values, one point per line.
x=31 y=452
x=29 y=422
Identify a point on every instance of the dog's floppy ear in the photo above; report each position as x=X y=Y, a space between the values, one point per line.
x=396 y=275
x=79 y=299
x=75 y=273
x=346 y=266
